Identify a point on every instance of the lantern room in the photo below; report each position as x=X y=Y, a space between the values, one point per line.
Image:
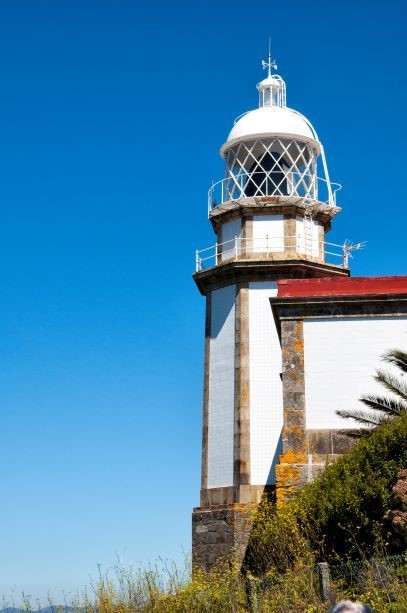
x=273 y=151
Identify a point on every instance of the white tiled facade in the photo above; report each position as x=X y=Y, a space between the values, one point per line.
x=340 y=358
x=268 y=233
x=308 y=241
x=266 y=401
x=230 y=231
x=221 y=388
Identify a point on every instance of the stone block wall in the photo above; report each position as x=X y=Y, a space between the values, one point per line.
x=305 y=452
x=221 y=534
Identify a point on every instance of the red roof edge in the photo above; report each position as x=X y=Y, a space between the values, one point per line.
x=341 y=286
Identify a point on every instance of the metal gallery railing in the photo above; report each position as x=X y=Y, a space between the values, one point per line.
x=240 y=248
x=245 y=184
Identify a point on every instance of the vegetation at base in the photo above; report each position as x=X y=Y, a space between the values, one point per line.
x=343 y=510
x=170 y=590
x=340 y=515
x=225 y=590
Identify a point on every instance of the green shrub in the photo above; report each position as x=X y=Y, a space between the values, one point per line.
x=343 y=510
x=338 y=516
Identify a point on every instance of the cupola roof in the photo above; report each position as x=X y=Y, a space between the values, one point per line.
x=272 y=121
x=273 y=118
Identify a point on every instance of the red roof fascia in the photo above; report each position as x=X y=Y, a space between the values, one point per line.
x=334 y=286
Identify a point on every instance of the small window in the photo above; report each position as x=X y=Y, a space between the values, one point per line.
x=267 y=96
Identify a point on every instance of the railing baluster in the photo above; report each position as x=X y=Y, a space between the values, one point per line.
x=304 y=185
x=240 y=248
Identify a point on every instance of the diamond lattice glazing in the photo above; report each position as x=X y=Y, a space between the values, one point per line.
x=271 y=167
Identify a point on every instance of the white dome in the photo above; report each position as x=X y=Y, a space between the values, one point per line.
x=272 y=121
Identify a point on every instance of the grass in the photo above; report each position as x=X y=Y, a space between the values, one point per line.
x=167 y=588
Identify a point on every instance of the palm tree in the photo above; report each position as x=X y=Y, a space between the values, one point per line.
x=382 y=408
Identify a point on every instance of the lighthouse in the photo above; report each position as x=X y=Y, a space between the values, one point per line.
x=290 y=338
x=270 y=215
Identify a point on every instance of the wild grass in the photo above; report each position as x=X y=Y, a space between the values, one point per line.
x=166 y=588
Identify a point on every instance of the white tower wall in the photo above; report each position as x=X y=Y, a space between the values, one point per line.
x=266 y=400
x=265 y=392
x=230 y=230
x=221 y=387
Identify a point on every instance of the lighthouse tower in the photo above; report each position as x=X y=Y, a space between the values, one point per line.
x=270 y=214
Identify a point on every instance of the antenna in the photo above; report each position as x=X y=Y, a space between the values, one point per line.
x=271 y=63
x=348 y=247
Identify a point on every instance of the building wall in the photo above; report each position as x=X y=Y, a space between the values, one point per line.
x=340 y=358
x=266 y=401
x=221 y=388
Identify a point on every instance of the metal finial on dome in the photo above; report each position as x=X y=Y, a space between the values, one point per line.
x=271 y=63
x=272 y=88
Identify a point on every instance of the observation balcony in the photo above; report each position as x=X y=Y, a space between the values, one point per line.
x=308 y=187
x=275 y=248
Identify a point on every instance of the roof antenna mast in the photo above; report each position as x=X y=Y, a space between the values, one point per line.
x=271 y=63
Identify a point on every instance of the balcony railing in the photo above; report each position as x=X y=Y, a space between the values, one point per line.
x=245 y=185
x=243 y=249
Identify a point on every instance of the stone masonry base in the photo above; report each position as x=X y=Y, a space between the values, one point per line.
x=308 y=453
x=220 y=534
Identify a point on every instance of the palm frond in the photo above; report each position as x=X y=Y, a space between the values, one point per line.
x=388 y=406
x=382 y=409
x=367 y=418
x=396 y=357
x=391 y=383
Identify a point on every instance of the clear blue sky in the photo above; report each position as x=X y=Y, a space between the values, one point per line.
x=111 y=116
